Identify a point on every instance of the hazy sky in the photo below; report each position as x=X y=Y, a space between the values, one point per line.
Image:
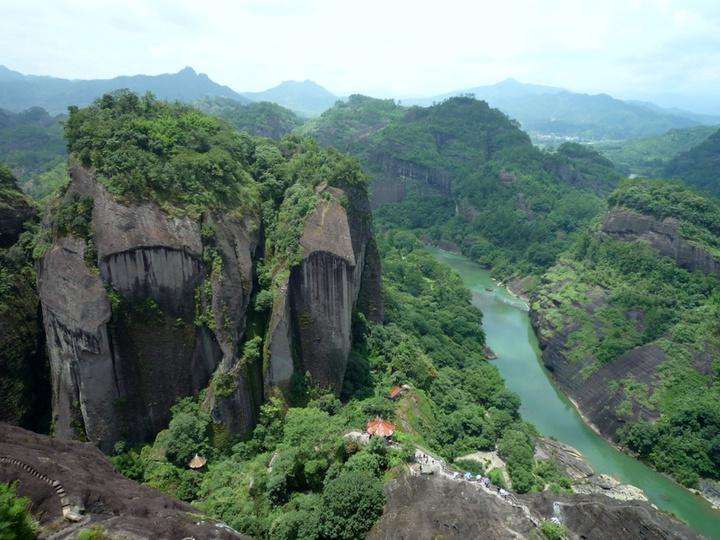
x=629 y=48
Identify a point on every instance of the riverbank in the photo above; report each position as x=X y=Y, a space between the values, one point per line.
x=510 y=334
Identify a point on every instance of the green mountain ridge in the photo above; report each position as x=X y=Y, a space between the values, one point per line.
x=262 y=118
x=464 y=173
x=552 y=114
x=649 y=156
x=699 y=166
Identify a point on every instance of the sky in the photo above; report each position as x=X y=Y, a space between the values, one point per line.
x=665 y=50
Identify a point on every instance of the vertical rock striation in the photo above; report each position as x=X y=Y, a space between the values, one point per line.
x=310 y=330
x=122 y=336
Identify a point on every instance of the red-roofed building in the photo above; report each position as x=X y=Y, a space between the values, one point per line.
x=380 y=428
x=395 y=392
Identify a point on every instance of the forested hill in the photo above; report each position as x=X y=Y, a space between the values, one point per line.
x=648 y=156
x=552 y=114
x=32 y=145
x=467 y=175
x=699 y=167
x=263 y=119
x=628 y=324
x=18 y=91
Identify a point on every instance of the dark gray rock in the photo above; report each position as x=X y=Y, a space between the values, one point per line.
x=310 y=329
x=431 y=507
x=663 y=235
x=118 y=367
x=101 y=496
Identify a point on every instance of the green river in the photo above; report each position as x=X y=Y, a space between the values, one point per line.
x=510 y=335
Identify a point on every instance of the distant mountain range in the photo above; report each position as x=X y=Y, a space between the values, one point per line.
x=305 y=98
x=19 y=92
x=549 y=114
x=553 y=114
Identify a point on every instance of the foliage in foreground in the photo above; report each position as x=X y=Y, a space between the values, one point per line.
x=15 y=520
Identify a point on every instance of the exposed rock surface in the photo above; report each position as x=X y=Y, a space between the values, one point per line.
x=592 y=392
x=585 y=480
x=663 y=235
x=101 y=496
x=435 y=506
x=122 y=337
x=14 y=211
x=311 y=323
x=395 y=174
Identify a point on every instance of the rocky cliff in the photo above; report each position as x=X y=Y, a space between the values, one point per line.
x=630 y=315
x=311 y=322
x=395 y=176
x=664 y=235
x=591 y=386
x=428 y=507
x=121 y=311
x=73 y=487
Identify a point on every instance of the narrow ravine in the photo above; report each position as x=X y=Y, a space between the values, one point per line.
x=510 y=335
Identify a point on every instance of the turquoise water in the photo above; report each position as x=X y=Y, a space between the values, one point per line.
x=509 y=333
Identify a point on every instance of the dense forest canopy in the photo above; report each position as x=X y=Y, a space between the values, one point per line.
x=471 y=177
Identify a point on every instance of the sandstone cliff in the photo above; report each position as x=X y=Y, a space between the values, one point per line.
x=663 y=235
x=142 y=312
x=311 y=322
x=580 y=305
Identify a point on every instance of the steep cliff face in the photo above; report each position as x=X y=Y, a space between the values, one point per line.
x=311 y=322
x=395 y=175
x=24 y=384
x=121 y=321
x=663 y=235
x=590 y=386
x=630 y=315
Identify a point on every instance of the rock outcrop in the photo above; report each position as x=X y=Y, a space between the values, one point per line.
x=122 y=322
x=394 y=176
x=310 y=329
x=663 y=235
x=590 y=386
x=14 y=212
x=54 y=474
x=435 y=506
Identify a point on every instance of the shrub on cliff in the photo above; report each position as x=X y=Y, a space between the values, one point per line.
x=144 y=148
x=188 y=433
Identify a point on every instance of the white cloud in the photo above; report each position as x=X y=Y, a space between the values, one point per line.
x=381 y=47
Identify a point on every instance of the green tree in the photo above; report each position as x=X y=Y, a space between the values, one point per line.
x=15 y=520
